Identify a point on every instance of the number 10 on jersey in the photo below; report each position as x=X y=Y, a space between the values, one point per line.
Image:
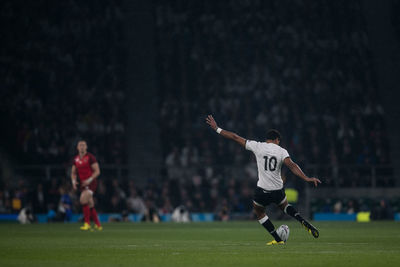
x=270 y=163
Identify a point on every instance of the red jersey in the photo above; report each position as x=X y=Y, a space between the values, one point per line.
x=84 y=166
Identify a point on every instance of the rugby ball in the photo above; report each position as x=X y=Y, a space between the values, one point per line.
x=283 y=232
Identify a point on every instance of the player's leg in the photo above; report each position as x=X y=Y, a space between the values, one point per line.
x=93 y=212
x=263 y=219
x=290 y=210
x=84 y=200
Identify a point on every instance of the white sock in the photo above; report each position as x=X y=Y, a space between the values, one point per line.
x=263 y=220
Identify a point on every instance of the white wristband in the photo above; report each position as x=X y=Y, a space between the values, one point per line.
x=90 y=179
x=219 y=130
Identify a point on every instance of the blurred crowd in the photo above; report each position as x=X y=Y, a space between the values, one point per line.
x=226 y=199
x=381 y=209
x=63 y=79
x=55 y=197
x=302 y=67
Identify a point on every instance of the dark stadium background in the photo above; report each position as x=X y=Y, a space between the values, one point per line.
x=136 y=79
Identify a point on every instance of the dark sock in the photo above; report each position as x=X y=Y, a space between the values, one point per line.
x=271 y=229
x=294 y=213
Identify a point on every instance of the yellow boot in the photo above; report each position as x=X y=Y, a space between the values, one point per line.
x=86 y=227
x=273 y=242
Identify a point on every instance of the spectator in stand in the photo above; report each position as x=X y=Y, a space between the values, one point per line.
x=117 y=204
x=53 y=192
x=39 y=199
x=4 y=203
x=65 y=205
x=382 y=212
x=135 y=203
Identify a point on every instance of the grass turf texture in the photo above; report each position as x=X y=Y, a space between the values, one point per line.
x=199 y=244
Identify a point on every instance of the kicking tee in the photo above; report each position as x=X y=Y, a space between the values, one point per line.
x=269 y=163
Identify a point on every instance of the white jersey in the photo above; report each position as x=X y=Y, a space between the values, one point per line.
x=269 y=163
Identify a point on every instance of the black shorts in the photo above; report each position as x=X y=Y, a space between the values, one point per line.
x=264 y=198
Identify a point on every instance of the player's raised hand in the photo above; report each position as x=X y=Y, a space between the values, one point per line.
x=316 y=181
x=210 y=121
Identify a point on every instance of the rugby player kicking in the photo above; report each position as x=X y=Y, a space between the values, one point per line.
x=270 y=157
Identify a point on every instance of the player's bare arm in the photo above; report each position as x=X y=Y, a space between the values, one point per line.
x=73 y=177
x=96 y=172
x=294 y=168
x=227 y=134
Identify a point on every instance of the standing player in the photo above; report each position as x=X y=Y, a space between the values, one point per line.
x=87 y=168
x=270 y=157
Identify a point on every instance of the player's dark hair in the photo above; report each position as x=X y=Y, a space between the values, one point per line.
x=273 y=134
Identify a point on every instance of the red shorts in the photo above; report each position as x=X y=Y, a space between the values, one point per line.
x=92 y=186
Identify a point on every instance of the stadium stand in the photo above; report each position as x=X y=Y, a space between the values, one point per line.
x=255 y=65
x=63 y=79
x=252 y=64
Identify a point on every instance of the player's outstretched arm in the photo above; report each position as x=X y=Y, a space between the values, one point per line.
x=227 y=134
x=293 y=167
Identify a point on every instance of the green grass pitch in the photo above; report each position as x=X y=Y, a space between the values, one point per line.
x=199 y=244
